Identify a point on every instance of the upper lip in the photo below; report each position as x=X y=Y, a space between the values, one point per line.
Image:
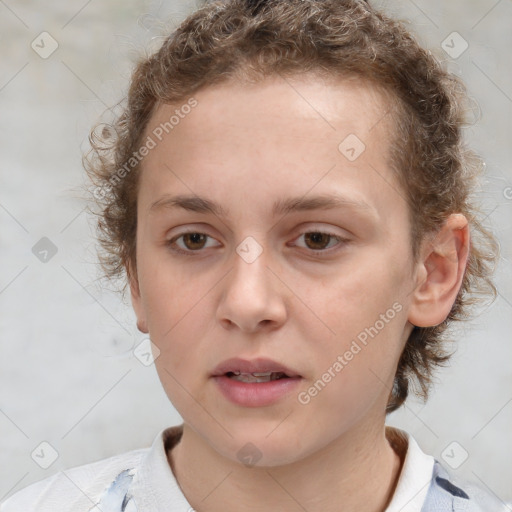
x=259 y=365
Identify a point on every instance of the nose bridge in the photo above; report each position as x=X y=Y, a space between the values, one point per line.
x=251 y=296
x=250 y=276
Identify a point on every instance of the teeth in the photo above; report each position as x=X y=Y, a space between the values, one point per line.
x=256 y=376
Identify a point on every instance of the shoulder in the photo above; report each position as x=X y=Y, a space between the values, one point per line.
x=76 y=489
x=447 y=492
x=426 y=485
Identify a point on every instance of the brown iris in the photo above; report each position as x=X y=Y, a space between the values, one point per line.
x=317 y=239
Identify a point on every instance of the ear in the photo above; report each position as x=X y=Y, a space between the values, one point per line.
x=440 y=272
x=131 y=271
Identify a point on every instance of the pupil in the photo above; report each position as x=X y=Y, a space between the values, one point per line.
x=194 y=238
x=317 y=238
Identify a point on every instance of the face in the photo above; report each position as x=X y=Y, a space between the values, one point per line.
x=271 y=227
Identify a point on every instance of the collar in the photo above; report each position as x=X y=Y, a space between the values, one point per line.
x=155 y=488
x=415 y=476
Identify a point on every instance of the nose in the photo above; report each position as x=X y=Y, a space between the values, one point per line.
x=252 y=298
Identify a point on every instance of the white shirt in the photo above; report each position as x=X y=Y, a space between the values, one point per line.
x=154 y=487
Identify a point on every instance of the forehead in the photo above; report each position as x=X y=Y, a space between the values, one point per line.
x=279 y=135
x=309 y=106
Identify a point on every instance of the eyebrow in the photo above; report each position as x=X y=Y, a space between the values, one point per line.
x=198 y=204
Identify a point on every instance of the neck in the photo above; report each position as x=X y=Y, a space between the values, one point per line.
x=356 y=471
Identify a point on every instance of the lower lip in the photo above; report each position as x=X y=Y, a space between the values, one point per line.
x=252 y=394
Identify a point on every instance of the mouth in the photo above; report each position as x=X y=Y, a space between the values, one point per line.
x=255 y=383
x=256 y=376
x=255 y=370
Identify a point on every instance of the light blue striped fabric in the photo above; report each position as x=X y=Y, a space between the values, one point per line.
x=445 y=494
x=117 y=497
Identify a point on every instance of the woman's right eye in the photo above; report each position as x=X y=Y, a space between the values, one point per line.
x=192 y=241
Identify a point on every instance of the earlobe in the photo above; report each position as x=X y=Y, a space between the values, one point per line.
x=440 y=273
x=137 y=300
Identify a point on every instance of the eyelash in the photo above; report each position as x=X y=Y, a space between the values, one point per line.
x=315 y=253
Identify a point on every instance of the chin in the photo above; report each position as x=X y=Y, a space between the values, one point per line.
x=262 y=447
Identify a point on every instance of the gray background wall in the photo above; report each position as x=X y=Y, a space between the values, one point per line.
x=68 y=373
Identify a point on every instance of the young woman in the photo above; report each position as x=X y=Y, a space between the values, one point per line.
x=288 y=192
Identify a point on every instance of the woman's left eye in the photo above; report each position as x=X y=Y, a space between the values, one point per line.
x=320 y=241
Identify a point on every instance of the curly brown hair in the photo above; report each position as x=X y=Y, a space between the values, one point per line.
x=248 y=40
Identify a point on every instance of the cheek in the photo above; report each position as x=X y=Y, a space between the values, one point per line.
x=169 y=294
x=354 y=369
x=357 y=296
x=365 y=312
x=176 y=309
